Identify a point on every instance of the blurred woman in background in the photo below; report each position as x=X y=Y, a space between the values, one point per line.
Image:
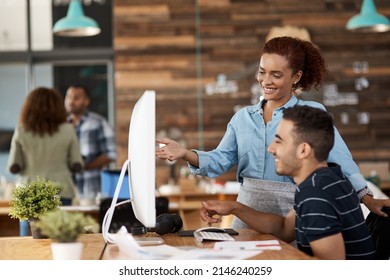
x=44 y=145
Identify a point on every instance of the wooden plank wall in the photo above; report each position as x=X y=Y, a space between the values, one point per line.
x=158 y=46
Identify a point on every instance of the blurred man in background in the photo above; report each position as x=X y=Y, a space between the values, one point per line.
x=96 y=138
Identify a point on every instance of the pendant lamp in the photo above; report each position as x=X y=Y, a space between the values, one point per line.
x=76 y=24
x=368 y=20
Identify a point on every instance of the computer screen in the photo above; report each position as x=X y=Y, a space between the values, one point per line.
x=141 y=164
x=141 y=153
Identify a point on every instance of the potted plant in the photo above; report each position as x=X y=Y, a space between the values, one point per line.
x=64 y=228
x=30 y=200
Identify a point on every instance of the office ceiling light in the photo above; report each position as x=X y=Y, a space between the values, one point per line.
x=76 y=24
x=368 y=20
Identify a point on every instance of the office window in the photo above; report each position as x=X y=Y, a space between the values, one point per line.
x=41 y=25
x=12 y=91
x=49 y=61
x=93 y=76
x=43 y=15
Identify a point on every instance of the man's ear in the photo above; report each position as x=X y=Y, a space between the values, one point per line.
x=304 y=150
x=87 y=102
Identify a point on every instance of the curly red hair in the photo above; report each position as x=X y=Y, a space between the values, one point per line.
x=43 y=111
x=301 y=55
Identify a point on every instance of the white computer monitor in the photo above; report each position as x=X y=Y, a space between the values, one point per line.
x=141 y=164
x=141 y=153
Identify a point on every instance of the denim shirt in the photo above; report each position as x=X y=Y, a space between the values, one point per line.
x=246 y=141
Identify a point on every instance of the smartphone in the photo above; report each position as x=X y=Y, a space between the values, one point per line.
x=149 y=240
x=190 y=233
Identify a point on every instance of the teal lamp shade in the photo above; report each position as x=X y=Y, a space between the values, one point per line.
x=76 y=24
x=368 y=20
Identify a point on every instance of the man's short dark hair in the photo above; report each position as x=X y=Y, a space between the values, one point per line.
x=84 y=88
x=313 y=126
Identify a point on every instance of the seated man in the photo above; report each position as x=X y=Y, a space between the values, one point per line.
x=327 y=221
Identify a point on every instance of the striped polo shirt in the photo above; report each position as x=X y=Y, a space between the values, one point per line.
x=326 y=204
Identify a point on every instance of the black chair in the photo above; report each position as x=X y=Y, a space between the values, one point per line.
x=124 y=214
x=379 y=228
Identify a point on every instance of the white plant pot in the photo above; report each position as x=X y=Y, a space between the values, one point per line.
x=67 y=251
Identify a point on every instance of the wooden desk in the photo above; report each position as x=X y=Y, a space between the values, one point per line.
x=10 y=226
x=196 y=194
x=385 y=187
x=26 y=248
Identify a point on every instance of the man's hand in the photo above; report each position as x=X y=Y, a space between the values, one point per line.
x=215 y=207
x=15 y=168
x=376 y=205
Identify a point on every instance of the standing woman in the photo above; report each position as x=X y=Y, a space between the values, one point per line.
x=44 y=145
x=286 y=64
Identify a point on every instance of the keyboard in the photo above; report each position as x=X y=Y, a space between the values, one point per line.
x=201 y=236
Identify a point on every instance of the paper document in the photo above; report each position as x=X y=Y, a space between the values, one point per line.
x=249 y=245
x=212 y=254
x=128 y=245
x=222 y=250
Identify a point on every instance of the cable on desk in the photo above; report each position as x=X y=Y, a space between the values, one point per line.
x=104 y=249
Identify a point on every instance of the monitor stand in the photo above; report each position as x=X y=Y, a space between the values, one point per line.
x=110 y=212
x=110 y=238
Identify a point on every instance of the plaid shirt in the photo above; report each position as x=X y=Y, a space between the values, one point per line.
x=96 y=137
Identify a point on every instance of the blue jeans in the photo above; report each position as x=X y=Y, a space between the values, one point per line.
x=66 y=201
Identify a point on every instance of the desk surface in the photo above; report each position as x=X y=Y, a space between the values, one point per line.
x=27 y=248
